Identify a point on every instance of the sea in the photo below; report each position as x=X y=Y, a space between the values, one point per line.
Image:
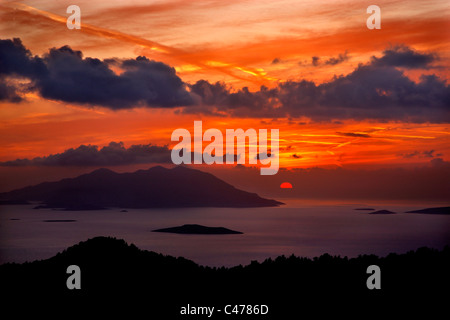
x=302 y=228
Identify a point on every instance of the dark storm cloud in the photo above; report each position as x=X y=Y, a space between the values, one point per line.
x=402 y=56
x=63 y=74
x=17 y=61
x=91 y=81
x=88 y=155
x=236 y=103
x=376 y=90
x=371 y=91
x=8 y=92
x=383 y=93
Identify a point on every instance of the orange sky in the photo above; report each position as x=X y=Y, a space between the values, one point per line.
x=235 y=42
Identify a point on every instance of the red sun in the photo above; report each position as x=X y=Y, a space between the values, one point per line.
x=286 y=185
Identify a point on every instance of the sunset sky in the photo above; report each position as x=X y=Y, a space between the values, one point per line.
x=342 y=96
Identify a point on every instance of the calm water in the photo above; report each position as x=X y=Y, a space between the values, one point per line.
x=298 y=228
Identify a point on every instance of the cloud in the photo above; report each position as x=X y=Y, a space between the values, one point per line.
x=90 y=155
x=341 y=58
x=383 y=93
x=276 y=60
x=440 y=163
x=63 y=74
x=16 y=61
x=371 y=91
x=8 y=93
x=263 y=156
x=235 y=103
x=353 y=134
x=428 y=154
x=420 y=154
x=409 y=155
x=194 y=154
x=402 y=56
x=375 y=90
x=296 y=156
x=315 y=61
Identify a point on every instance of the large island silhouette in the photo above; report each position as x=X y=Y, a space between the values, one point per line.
x=157 y=187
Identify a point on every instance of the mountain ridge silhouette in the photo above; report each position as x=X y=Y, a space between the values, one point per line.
x=156 y=187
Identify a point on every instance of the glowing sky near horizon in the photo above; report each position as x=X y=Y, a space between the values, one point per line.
x=243 y=44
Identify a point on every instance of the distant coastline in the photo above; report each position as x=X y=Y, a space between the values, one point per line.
x=436 y=210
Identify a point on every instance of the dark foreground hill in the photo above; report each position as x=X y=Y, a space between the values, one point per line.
x=156 y=187
x=120 y=279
